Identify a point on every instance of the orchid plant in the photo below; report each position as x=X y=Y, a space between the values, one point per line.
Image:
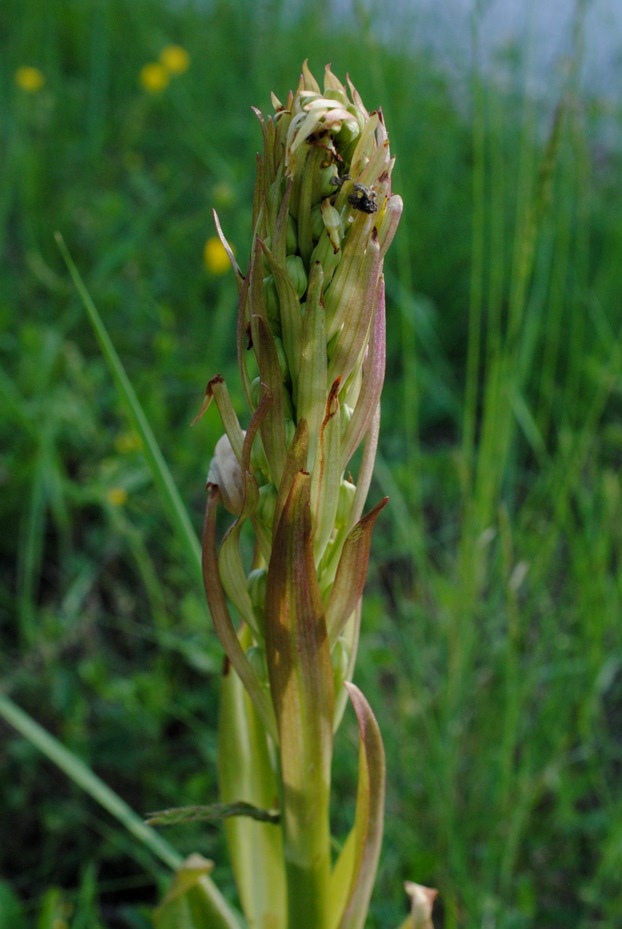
x=311 y=351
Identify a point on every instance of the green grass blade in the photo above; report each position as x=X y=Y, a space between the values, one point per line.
x=82 y=775
x=175 y=509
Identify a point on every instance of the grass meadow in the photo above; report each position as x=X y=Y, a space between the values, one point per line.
x=492 y=632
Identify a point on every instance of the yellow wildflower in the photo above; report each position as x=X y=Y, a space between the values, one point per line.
x=128 y=442
x=175 y=59
x=29 y=79
x=154 y=77
x=116 y=496
x=215 y=256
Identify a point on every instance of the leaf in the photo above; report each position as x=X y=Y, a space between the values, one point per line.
x=230 y=565
x=354 y=333
x=214 y=813
x=373 y=379
x=351 y=573
x=369 y=818
x=162 y=477
x=217 y=390
x=245 y=772
x=222 y=620
x=311 y=392
x=273 y=427
x=190 y=902
x=301 y=682
x=326 y=477
x=239 y=277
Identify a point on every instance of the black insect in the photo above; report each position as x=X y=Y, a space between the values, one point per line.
x=362 y=198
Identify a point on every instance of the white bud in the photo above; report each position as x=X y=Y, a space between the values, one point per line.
x=225 y=471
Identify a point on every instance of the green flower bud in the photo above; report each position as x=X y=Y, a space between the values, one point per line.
x=345 y=412
x=340 y=659
x=327 y=187
x=332 y=222
x=296 y=273
x=327 y=256
x=344 y=504
x=266 y=506
x=256 y=585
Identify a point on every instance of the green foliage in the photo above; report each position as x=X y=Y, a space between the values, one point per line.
x=491 y=644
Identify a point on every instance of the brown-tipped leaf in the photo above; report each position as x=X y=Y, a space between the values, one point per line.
x=301 y=682
x=351 y=573
x=222 y=620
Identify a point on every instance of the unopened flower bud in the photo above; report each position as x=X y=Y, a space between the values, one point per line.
x=226 y=473
x=296 y=273
x=339 y=659
x=256 y=585
x=344 y=504
x=266 y=506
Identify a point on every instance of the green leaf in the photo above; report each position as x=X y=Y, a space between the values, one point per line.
x=230 y=564
x=214 y=813
x=273 y=427
x=373 y=379
x=245 y=771
x=363 y=850
x=217 y=390
x=326 y=477
x=301 y=682
x=352 y=338
x=295 y=462
x=351 y=574
x=220 y=613
x=173 y=504
x=190 y=902
x=310 y=396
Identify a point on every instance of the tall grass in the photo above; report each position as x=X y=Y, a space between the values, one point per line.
x=492 y=645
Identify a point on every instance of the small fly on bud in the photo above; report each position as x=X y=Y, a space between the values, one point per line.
x=362 y=198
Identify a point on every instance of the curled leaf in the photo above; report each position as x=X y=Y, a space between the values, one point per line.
x=363 y=845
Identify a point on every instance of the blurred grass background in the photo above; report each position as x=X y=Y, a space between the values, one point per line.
x=492 y=645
